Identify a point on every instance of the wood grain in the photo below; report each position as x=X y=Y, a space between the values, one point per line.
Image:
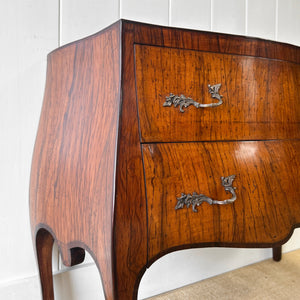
x=44 y=246
x=267 y=182
x=130 y=230
x=72 y=176
x=91 y=165
x=213 y=42
x=256 y=103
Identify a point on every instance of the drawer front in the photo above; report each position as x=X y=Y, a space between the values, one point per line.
x=260 y=96
x=267 y=184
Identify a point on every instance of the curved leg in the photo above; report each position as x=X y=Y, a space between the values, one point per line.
x=128 y=274
x=44 y=245
x=277 y=253
x=120 y=280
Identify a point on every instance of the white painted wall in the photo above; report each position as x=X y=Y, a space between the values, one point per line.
x=29 y=29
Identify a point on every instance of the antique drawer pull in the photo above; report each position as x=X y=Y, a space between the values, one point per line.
x=183 y=101
x=196 y=200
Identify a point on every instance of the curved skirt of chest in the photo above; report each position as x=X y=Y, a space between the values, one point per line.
x=267 y=205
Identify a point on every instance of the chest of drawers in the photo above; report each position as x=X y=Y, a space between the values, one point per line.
x=154 y=139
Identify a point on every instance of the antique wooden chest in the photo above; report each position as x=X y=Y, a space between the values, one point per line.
x=155 y=139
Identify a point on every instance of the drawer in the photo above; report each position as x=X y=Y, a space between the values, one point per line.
x=260 y=96
x=267 y=193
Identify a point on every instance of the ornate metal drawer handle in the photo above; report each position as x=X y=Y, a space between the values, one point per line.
x=183 y=101
x=196 y=200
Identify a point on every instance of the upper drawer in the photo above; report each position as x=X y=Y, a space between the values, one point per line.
x=260 y=98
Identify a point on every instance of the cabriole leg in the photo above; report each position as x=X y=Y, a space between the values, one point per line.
x=44 y=246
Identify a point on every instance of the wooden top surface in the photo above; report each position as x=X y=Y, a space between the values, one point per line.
x=201 y=40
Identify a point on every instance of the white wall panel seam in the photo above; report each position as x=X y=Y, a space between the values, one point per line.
x=59 y=22
x=246 y=17
x=170 y=13
x=211 y=14
x=276 y=20
x=58 y=261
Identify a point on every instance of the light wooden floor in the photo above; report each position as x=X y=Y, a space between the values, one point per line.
x=267 y=280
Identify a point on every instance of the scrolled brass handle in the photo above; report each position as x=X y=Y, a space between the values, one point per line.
x=183 y=101
x=197 y=199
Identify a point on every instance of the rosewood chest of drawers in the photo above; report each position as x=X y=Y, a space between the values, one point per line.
x=154 y=139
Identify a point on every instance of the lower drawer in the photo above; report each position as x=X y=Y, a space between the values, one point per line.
x=267 y=184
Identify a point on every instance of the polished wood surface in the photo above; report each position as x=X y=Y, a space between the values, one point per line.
x=267 y=187
x=72 y=176
x=213 y=42
x=130 y=230
x=44 y=246
x=256 y=105
x=95 y=181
